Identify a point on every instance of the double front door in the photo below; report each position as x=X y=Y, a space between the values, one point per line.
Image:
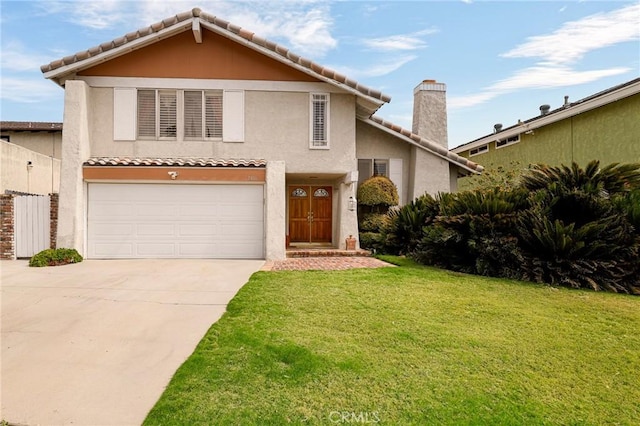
x=310 y=214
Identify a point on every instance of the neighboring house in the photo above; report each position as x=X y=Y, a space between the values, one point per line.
x=42 y=137
x=196 y=138
x=604 y=126
x=30 y=157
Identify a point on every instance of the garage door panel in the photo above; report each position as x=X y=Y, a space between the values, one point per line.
x=157 y=210
x=156 y=230
x=165 y=221
x=202 y=230
x=112 y=230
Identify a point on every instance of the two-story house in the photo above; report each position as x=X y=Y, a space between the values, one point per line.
x=194 y=137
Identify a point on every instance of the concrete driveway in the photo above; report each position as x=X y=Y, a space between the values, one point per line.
x=96 y=343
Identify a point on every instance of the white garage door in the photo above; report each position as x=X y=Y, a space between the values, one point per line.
x=175 y=221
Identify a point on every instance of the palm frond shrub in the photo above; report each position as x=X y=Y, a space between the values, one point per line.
x=580 y=230
x=473 y=233
x=404 y=228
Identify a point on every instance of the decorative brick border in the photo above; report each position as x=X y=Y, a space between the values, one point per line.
x=53 y=216
x=7 y=240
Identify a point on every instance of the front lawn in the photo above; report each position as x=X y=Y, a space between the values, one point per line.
x=411 y=345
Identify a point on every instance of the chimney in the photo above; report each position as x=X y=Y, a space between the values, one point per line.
x=430 y=111
x=544 y=109
x=497 y=128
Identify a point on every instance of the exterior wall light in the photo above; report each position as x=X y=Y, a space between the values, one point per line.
x=352 y=204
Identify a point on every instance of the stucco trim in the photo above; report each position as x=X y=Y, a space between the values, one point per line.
x=182 y=174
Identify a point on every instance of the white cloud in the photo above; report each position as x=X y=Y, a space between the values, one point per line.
x=15 y=57
x=574 y=39
x=559 y=51
x=25 y=90
x=304 y=25
x=537 y=77
x=540 y=77
x=412 y=41
x=384 y=67
x=97 y=15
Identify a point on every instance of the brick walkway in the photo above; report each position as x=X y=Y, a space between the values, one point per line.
x=324 y=263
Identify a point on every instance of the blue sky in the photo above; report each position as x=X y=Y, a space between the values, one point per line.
x=500 y=60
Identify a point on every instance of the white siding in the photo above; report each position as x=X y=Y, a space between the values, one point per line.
x=233 y=116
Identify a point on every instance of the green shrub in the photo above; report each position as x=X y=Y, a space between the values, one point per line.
x=378 y=191
x=371 y=241
x=404 y=226
x=372 y=222
x=55 y=257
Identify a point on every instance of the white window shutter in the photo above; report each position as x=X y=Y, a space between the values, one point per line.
x=233 y=116
x=395 y=175
x=124 y=114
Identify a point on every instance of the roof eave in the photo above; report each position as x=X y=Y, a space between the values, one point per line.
x=58 y=74
x=425 y=148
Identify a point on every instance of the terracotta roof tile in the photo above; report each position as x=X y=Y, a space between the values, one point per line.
x=225 y=26
x=173 y=162
x=430 y=145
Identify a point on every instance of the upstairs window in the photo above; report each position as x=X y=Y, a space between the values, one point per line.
x=319 y=120
x=202 y=114
x=508 y=141
x=479 y=150
x=157 y=114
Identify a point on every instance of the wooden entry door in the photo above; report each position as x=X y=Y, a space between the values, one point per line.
x=310 y=214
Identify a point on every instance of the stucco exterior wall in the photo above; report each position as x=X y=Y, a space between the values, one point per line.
x=75 y=143
x=431 y=174
x=46 y=143
x=275 y=211
x=374 y=143
x=42 y=176
x=610 y=134
x=276 y=128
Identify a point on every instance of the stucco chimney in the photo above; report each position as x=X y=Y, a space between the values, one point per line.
x=430 y=111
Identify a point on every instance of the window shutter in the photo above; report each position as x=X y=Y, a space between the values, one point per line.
x=213 y=115
x=233 y=117
x=319 y=122
x=395 y=175
x=146 y=114
x=168 y=102
x=124 y=114
x=192 y=114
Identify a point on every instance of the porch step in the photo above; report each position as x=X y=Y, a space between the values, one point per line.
x=325 y=252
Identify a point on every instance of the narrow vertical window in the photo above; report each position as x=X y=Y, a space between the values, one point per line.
x=193 y=114
x=319 y=120
x=168 y=110
x=213 y=114
x=146 y=114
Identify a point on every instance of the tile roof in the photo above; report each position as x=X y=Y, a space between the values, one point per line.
x=429 y=145
x=204 y=17
x=30 y=126
x=173 y=162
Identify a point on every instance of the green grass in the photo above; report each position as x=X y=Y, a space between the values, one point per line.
x=411 y=345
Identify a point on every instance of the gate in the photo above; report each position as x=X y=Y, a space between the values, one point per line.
x=32 y=224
